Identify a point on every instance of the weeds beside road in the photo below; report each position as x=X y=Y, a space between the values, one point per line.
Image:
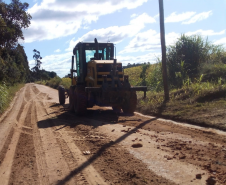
x=7 y=93
x=201 y=104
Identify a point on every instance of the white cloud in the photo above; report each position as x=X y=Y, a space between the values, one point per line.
x=114 y=34
x=205 y=32
x=56 y=18
x=85 y=27
x=156 y=16
x=174 y=17
x=133 y=15
x=221 y=41
x=187 y=17
x=144 y=41
x=171 y=38
x=198 y=17
x=60 y=63
x=57 y=50
x=150 y=57
x=148 y=41
x=142 y=19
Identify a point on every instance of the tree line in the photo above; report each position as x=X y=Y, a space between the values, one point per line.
x=129 y=65
x=14 y=66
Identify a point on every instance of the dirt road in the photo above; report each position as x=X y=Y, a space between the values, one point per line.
x=42 y=143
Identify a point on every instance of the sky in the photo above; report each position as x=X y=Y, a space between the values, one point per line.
x=132 y=25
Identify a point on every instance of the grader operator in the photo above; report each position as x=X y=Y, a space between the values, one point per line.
x=100 y=80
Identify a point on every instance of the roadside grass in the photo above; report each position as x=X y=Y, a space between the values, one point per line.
x=7 y=94
x=202 y=104
x=55 y=82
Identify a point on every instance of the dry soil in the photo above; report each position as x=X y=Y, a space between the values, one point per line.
x=41 y=142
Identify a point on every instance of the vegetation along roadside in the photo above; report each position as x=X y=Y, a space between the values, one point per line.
x=7 y=93
x=197 y=81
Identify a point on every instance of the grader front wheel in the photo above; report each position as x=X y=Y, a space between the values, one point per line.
x=80 y=104
x=61 y=94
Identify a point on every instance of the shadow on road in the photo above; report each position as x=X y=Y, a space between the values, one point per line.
x=67 y=118
x=70 y=119
x=100 y=151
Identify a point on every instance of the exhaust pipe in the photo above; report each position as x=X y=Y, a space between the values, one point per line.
x=97 y=49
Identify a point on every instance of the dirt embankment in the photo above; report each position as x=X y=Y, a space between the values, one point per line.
x=42 y=143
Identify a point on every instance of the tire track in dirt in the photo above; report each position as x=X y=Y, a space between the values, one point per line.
x=35 y=89
x=19 y=139
x=25 y=155
x=71 y=161
x=26 y=94
x=91 y=176
x=9 y=120
x=24 y=159
x=5 y=168
x=5 y=147
x=39 y=152
x=57 y=167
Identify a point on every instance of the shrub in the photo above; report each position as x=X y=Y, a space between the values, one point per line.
x=154 y=78
x=213 y=72
x=4 y=96
x=134 y=75
x=66 y=82
x=194 y=53
x=54 y=82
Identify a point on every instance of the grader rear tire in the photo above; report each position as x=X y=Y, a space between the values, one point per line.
x=130 y=105
x=61 y=94
x=80 y=104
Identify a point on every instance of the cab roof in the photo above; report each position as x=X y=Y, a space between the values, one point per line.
x=93 y=43
x=103 y=61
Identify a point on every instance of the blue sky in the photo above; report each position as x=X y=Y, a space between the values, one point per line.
x=133 y=25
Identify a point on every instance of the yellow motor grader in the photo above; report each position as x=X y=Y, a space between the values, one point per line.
x=100 y=80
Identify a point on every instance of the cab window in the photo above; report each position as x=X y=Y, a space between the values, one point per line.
x=77 y=63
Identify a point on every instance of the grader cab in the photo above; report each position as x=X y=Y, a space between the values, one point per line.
x=100 y=80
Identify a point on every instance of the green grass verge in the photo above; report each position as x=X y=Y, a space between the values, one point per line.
x=202 y=104
x=7 y=94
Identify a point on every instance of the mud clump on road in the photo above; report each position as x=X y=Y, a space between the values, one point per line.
x=137 y=145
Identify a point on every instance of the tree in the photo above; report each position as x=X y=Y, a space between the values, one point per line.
x=188 y=55
x=52 y=74
x=2 y=22
x=15 y=17
x=37 y=57
x=143 y=74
